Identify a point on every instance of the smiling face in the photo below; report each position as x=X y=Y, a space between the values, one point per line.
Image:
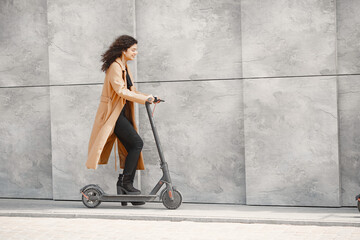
x=130 y=53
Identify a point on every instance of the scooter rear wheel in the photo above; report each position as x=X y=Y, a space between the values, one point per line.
x=93 y=195
x=171 y=204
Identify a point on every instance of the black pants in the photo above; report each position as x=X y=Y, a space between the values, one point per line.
x=131 y=140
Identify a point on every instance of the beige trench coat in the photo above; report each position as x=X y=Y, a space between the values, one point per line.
x=113 y=98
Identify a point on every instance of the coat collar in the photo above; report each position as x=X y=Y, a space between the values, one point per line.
x=123 y=68
x=118 y=60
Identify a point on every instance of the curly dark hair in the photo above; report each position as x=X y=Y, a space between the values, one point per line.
x=120 y=44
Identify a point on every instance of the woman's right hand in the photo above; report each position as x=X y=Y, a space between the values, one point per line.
x=150 y=99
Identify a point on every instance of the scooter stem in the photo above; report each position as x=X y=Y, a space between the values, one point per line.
x=156 y=136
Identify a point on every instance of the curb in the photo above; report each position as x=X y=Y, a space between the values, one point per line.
x=182 y=218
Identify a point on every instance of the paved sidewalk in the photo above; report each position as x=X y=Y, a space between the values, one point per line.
x=221 y=213
x=25 y=228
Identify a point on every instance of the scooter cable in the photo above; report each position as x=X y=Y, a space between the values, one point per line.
x=153 y=109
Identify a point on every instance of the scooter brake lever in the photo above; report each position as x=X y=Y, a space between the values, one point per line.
x=157 y=100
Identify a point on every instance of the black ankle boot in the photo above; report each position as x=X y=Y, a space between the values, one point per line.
x=118 y=188
x=127 y=186
x=119 y=184
x=132 y=181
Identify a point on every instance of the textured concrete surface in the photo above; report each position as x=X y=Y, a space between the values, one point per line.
x=23 y=43
x=201 y=130
x=79 y=32
x=25 y=149
x=216 y=213
x=349 y=113
x=73 y=110
x=348 y=45
x=190 y=39
x=288 y=38
x=93 y=229
x=291 y=141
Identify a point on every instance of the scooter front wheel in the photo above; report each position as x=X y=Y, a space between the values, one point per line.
x=91 y=198
x=171 y=204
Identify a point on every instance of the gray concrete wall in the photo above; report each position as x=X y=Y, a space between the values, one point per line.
x=24 y=40
x=348 y=36
x=288 y=38
x=25 y=149
x=188 y=40
x=256 y=111
x=201 y=130
x=291 y=141
x=348 y=97
x=190 y=51
x=291 y=123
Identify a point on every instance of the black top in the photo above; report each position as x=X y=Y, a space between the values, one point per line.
x=128 y=80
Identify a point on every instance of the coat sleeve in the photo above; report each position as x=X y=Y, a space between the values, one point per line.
x=136 y=91
x=118 y=84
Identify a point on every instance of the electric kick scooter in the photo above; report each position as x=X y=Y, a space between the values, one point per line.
x=93 y=195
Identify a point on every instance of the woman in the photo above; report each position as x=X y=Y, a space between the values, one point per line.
x=115 y=118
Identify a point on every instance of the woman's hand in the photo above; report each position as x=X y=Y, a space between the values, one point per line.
x=150 y=99
x=153 y=99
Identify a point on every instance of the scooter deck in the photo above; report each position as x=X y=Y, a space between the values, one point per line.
x=127 y=198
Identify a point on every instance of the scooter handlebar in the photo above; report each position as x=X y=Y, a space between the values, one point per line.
x=157 y=100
